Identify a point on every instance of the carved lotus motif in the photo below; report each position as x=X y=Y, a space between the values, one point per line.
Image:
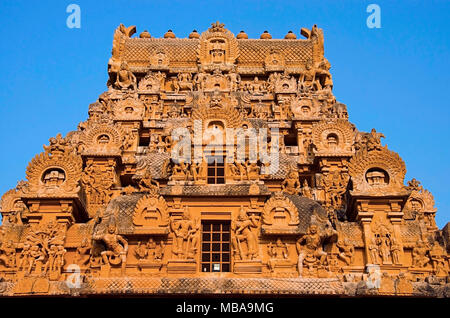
x=274 y=61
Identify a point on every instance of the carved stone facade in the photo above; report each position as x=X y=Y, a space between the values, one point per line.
x=108 y=208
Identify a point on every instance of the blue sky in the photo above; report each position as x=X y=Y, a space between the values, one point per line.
x=395 y=79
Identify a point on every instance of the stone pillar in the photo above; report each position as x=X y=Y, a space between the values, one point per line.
x=365 y=218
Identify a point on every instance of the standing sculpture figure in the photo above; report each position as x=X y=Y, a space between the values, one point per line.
x=184 y=231
x=242 y=228
x=374 y=253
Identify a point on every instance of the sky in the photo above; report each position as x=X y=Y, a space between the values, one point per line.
x=394 y=78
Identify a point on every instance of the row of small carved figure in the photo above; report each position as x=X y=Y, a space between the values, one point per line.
x=244 y=245
x=312 y=79
x=42 y=252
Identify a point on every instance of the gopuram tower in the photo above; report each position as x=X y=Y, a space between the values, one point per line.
x=220 y=164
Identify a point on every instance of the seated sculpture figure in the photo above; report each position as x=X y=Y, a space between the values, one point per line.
x=125 y=78
x=291 y=184
x=311 y=245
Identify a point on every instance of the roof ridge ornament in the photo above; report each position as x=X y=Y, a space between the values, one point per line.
x=217 y=27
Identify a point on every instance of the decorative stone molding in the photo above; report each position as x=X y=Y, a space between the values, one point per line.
x=54 y=175
x=333 y=137
x=217 y=46
x=129 y=109
x=102 y=139
x=151 y=215
x=377 y=172
x=280 y=216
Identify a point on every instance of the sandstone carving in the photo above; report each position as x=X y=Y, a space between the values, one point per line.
x=270 y=188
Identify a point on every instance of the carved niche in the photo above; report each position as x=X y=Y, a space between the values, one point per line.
x=152 y=82
x=421 y=203
x=129 y=109
x=11 y=204
x=377 y=172
x=159 y=60
x=331 y=137
x=218 y=46
x=102 y=138
x=274 y=61
x=280 y=216
x=303 y=107
x=151 y=215
x=217 y=108
x=54 y=173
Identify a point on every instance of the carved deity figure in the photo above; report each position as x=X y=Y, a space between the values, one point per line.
x=125 y=78
x=83 y=254
x=8 y=253
x=116 y=247
x=243 y=232
x=243 y=175
x=151 y=250
x=374 y=252
x=141 y=251
x=148 y=184
x=306 y=190
x=420 y=254
x=291 y=184
x=24 y=257
x=438 y=259
x=186 y=239
x=252 y=170
x=374 y=140
x=396 y=252
x=184 y=82
x=308 y=80
x=200 y=80
x=347 y=251
x=385 y=251
x=234 y=79
x=181 y=171
x=309 y=246
x=278 y=251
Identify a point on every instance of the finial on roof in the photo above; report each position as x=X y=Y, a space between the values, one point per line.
x=290 y=36
x=145 y=35
x=266 y=35
x=217 y=27
x=242 y=35
x=169 y=35
x=194 y=35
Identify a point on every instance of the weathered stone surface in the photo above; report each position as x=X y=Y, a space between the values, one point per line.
x=110 y=210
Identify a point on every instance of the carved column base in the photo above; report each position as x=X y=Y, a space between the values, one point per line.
x=181 y=266
x=248 y=267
